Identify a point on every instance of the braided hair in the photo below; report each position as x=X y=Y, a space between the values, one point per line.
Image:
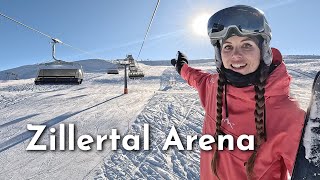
x=259 y=115
x=221 y=83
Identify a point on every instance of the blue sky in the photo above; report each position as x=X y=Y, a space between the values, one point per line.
x=110 y=29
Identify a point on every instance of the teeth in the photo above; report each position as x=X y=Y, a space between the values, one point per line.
x=238 y=65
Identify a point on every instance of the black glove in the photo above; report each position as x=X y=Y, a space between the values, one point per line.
x=180 y=61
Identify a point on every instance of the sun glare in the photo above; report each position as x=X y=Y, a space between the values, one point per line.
x=199 y=24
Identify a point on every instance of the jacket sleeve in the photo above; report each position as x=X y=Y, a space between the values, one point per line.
x=290 y=143
x=197 y=79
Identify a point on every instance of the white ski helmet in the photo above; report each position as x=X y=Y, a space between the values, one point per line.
x=240 y=20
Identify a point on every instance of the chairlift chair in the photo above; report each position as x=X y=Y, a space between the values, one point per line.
x=114 y=68
x=112 y=71
x=130 y=58
x=58 y=71
x=135 y=73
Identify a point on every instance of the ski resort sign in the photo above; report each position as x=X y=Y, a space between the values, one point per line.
x=129 y=142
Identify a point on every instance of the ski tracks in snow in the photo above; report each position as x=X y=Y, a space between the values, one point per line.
x=176 y=104
x=164 y=110
x=94 y=107
x=173 y=104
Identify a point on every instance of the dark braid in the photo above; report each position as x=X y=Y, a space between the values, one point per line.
x=258 y=114
x=259 y=117
x=221 y=83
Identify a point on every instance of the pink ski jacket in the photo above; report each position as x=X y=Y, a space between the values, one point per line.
x=284 y=122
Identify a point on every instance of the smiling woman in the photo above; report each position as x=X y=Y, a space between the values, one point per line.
x=199 y=24
x=240 y=97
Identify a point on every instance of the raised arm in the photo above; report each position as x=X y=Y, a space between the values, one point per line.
x=194 y=77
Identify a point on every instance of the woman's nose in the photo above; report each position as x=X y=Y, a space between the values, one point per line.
x=236 y=54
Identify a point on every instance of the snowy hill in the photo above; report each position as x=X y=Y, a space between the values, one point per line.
x=30 y=71
x=96 y=107
x=301 y=57
x=88 y=65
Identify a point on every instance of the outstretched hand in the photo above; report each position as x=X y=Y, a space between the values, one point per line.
x=180 y=61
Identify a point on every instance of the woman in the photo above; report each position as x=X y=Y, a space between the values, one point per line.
x=249 y=95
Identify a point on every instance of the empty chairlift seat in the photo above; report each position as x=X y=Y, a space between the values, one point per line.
x=113 y=67
x=112 y=71
x=59 y=72
x=135 y=73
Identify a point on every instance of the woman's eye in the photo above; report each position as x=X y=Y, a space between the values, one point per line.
x=227 y=47
x=247 y=45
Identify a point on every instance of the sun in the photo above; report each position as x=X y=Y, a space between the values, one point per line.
x=199 y=24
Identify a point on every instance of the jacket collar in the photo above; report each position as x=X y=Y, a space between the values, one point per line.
x=278 y=83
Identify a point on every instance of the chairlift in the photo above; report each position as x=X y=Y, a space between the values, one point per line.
x=134 y=71
x=58 y=71
x=136 y=75
x=130 y=59
x=112 y=71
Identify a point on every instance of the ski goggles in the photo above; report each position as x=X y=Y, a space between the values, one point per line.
x=240 y=20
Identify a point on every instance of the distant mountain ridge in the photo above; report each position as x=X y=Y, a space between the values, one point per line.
x=30 y=71
x=88 y=65
x=100 y=65
x=301 y=57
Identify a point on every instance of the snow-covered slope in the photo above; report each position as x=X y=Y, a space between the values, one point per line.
x=96 y=107
x=30 y=71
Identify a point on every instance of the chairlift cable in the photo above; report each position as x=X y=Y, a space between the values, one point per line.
x=33 y=29
x=145 y=37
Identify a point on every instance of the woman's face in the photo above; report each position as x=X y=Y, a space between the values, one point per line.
x=240 y=54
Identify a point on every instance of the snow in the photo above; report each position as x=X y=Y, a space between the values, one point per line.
x=97 y=106
x=312 y=134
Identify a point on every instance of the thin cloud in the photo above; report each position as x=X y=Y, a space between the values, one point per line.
x=277 y=3
x=128 y=44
